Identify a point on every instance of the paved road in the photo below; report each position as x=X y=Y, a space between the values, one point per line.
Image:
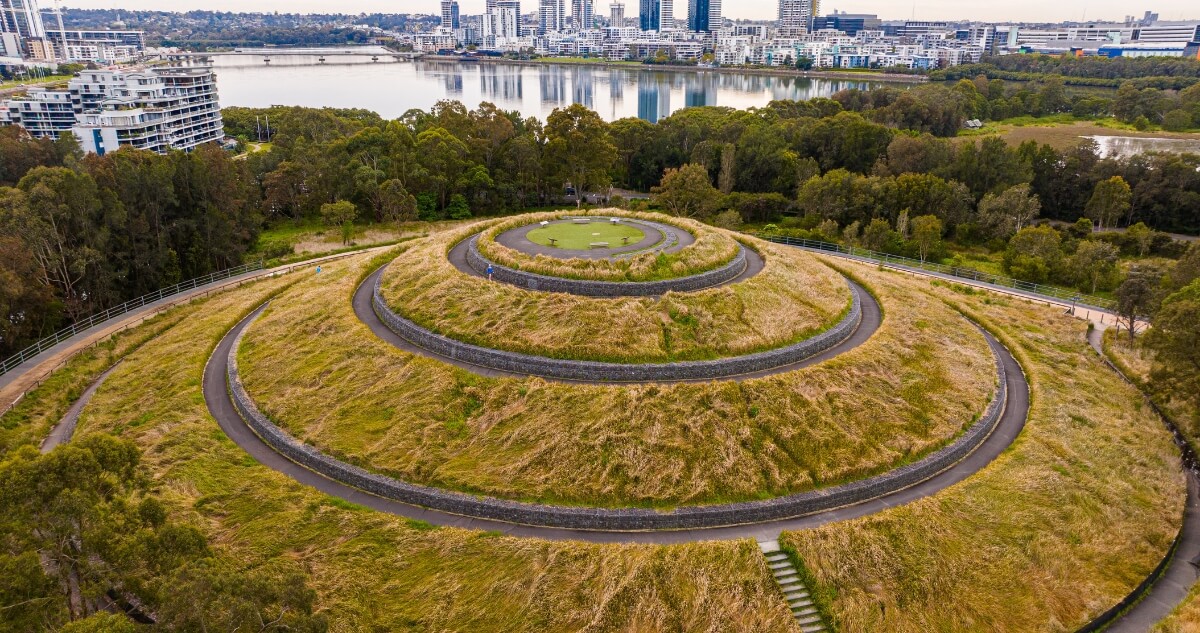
x=216 y=396
x=872 y=317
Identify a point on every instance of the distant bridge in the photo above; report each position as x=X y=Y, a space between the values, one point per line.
x=323 y=54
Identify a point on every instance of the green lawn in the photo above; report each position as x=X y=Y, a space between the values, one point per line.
x=571 y=236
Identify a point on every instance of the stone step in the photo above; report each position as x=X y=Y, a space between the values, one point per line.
x=805 y=610
x=775 y=557
x=779 y=564
x=812 y=628
x=810 y=620
x=789 y=574
x=798 y=593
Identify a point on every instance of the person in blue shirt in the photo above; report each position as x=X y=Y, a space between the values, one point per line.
x=490 y=270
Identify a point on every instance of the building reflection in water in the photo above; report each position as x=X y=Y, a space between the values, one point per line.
x=583 y=86
x=553 y=83
x=500 y=83
x=654 y=96
x=608 y=90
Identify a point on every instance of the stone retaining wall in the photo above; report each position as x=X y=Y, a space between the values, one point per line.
x=622 y=519
x=616 y=372
x=595 y=288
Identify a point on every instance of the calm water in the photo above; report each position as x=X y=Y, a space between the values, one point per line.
x=391 y=88
x=1119 y=146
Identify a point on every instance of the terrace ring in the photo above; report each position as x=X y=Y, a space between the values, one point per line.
x=239 y=405
x=597 y=371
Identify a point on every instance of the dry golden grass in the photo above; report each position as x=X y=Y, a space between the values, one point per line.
x=711 y=249
x=1055 y=531
x=317 y=370
x=1185 y=618
x=1136 y=362
x=376 y=572
x=793 y=298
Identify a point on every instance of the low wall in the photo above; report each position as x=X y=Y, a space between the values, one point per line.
x=617 y=372
x=619 y=519
x=594 y=288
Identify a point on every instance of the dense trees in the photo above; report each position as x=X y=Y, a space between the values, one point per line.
x=86 y=234
x=82 y=533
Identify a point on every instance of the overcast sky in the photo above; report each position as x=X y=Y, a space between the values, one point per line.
x=1020 y=10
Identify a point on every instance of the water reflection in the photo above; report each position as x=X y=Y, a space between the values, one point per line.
x=1125 y=146
x=392 y=88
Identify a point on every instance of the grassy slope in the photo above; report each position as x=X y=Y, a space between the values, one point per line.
x=768 y=310
x=378 y=572
x=320 y=372
x=1055 y=531
x=1136 y=363
x=711 y=249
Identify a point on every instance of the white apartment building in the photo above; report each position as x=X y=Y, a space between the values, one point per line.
x=158 y=109
x=100 y=46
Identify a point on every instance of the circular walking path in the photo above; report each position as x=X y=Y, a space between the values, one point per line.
x=363 y=303
x=458 y=257
x=217 y=397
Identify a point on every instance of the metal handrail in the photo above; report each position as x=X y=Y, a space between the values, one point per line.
x=46 y=343
x=969 y=274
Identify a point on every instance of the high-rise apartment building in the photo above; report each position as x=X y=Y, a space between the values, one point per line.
x=650 y=15
x=550 y=16
x=21 y=18
x=666 y=15
x=581 y=14
x=157 y=109
x=450 y=19
x=796 y=16
x=704 y=16
x=616 y=14
x=502 y=21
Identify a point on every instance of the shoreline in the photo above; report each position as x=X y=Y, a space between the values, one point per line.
x=737 y=70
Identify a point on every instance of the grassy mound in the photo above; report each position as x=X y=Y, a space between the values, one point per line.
x=376 y=572
x=794 y=298
x=570 y=236
x=713 y=248
x=319 y=372
x=1058 y=529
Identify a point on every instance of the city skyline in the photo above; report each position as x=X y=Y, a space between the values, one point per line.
x=1020 y=10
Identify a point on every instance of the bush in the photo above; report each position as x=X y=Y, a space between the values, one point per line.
x=729 y=219
x=1177 y=120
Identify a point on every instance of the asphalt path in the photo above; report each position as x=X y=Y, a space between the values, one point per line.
x=872 y=317
x=754 y=263
x=1172 y=587
x=216 y=396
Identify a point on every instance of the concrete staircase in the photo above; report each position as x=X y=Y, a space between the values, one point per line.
x=793 y=588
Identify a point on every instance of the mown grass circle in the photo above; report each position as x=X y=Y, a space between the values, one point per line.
x=577 y=237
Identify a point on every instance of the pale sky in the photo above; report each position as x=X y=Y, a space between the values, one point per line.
x=1016 y=10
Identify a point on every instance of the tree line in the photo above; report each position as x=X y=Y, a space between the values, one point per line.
x=80 y=234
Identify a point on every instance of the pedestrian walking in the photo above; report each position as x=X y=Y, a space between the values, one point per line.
x=490 y=270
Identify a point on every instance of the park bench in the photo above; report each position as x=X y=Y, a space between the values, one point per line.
x=581 y=221
x=625 y=240
x=598 y=245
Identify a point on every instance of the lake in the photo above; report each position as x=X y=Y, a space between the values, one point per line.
x=389 y=87
x=1125 y=146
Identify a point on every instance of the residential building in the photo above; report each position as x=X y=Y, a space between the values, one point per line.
x=21 y=18
x=550 y=16
x=616 y=15
x=100 y=46
x=704 y=16
x=796 y=16
x=848 y=23
x=157 y=109
x=650 y=15
x=582 y=15
x=450 y=17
